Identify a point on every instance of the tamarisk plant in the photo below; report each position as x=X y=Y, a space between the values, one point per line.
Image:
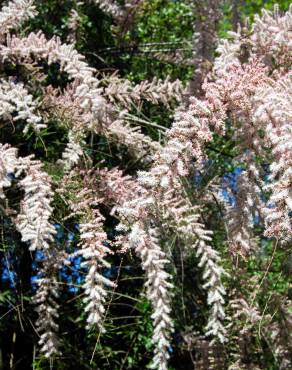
x=156 y=201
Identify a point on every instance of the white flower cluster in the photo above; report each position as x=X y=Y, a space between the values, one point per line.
x=94 y=251
x=209 y=260
x=37 y=46
x=92 y=106
x=139 y=145
x=15 y=13
x=87 y=91
x=275 y=111
x=158 y=287
x=72 y=153
x=240 y=217
x=132 y=205
x=186 y=140
x=272 y=35
x=155 y=91
x=270 y=38
x=259 y=99
x=67 y=109
x=228 y=53
x=14 y=98
x=184 y=219
x=34 y=225
x=190 y=132
x=33 y=221
x=47 y=308
x=8 y=161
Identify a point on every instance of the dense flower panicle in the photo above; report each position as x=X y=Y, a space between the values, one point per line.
x=194 y=128
x=66 y=108
x=116 y=188
x=94 y=251
x=163 y=91
x=86 y=96
x=73 y=151
x=268 y=41
x=127 y=201
x=140 y=146
x=87 y=88
x=156 y=91
x=262 y=105
x=33 y=221
x=185 y=220
x=8 y=162
x=187 y=138
x=275 y=111
x=229 y=51
x=158 y=287
x=240 y=216
x=209 y=260
x=238 y=79
x=47 y=307
x=233 y=92
x=36 y=46
x=178 y=213
x=271 y=37
x=14 y=98
x=15 y=13
x=34 y=225
x=180 y=216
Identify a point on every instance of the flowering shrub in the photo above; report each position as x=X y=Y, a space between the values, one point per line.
x=158 y=208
